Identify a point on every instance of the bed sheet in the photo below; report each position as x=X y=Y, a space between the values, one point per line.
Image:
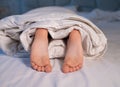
x=105 y=72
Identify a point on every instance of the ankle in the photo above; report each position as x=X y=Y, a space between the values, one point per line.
x=41 y=32
x=74 y=34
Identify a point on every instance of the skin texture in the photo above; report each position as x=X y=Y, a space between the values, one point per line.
x=39 y=52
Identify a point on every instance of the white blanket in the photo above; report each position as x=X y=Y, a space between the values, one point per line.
x=17 y=31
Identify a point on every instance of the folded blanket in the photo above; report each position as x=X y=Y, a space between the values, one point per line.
x=17 y=32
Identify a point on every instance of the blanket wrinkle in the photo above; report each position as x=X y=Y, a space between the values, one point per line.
x=21 y=28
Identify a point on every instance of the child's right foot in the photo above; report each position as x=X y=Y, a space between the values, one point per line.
x=74 y=55
x=39 y=52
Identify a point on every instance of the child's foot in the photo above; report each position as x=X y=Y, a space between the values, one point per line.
x=39 y=51
x=74 y=55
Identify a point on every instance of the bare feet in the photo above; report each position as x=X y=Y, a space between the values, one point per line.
x=74 y=55
x=39 y=52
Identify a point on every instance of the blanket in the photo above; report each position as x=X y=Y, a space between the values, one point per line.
x=17 y=32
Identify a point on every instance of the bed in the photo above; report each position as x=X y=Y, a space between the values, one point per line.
x=104 y=72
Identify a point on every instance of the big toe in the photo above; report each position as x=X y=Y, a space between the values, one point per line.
x=34 y=66
x=48 y=68
x=65 y=68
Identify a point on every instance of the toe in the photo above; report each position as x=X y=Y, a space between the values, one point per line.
x=70 y=69
x=32 y=64
x=42 y=69
x=77 y=67
x=35 y=67
x=48 y=68
x=74 y=69
x=65 y=68
x=80 y=66
x=39 y=69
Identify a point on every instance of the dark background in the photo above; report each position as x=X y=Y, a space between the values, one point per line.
x=11 y=7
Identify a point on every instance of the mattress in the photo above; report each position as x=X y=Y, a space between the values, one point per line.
x=105 y=72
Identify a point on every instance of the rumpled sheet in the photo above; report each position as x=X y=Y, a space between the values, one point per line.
x=17 y=32
x=98 y=15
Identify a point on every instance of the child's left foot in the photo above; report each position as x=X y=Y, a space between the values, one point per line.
x=74 y=55
x=39 y=52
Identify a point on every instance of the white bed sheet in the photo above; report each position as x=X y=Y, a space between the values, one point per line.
x=16 y=72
